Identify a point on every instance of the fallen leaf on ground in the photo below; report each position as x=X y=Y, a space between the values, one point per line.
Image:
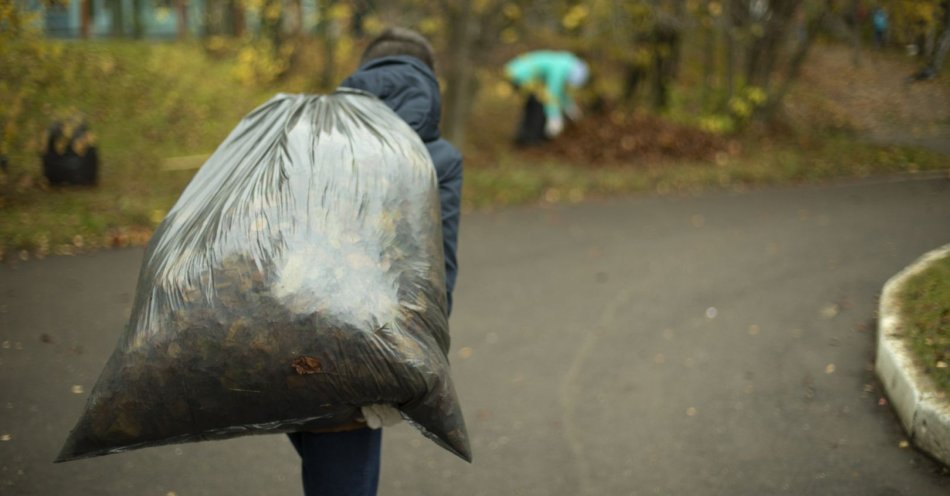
x=829 y=311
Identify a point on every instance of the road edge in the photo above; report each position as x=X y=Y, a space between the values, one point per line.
x=924 y=413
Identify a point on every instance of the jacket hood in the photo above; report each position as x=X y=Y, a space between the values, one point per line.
x=406 y=85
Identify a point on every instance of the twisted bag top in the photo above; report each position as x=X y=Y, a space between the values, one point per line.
x=299 y=277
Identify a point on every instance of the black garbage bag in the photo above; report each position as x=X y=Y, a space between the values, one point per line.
x=70 y=155
x=299 y=277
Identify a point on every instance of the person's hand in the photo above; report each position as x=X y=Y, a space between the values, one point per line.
x=377 y=416
x=573 y=112
x=553 y=127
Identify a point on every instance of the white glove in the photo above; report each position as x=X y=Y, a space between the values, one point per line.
x=377 y=416
x=553 y=127
x=573 y=112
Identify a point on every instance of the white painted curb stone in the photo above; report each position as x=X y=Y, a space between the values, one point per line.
x=924 y=412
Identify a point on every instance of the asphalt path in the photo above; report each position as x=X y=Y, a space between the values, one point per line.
x=719 y=344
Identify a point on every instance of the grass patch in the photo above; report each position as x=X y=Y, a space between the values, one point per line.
x=516 y=180
x=925 y=304
x=146 y=102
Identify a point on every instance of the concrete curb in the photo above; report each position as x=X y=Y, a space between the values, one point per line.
x=924 y=412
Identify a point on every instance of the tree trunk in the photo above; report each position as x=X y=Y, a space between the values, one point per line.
x=770 y=110
x=181 y=7
x=237 y=17
x=943 y=44
x=296 y=16
x=84 y=19
x=212 y=21
x=272 y=24
x=458 y=73
x=730 y=47
x=679 y=21
x=118 y=18
x=138 y=26
x=709 y=62
x=328 y=34
x=856 y=32
x=940 y=54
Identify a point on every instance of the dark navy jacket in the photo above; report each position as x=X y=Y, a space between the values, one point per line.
x=409 y=87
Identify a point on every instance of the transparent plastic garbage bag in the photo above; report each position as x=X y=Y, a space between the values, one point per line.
x=299 y=277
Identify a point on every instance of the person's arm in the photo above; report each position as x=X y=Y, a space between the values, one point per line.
x=557 y=95
x=450 y=196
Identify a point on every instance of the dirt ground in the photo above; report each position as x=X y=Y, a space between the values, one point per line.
x=619 y=137
x=876 y=98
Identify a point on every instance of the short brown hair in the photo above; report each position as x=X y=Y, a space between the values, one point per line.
x=400 y=41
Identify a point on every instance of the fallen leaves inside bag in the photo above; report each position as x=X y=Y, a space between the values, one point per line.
x=299 y=277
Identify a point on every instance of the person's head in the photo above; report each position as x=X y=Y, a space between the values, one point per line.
x=400 y=41
x=579 y=74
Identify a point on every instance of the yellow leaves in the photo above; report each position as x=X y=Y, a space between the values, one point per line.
x=740 y=107
x=715 y=9
x=509 y=36
x=481 y=6
x=345 y=48
x=373 y=25
x=271 y=11
x=829 y=311
x=718 y=124
x=252 y=5
x=217 y=44
x=339 y=12
x=755 y=95
x=575 y=17
x=83 y=143
x=642 y=56
x=156 y=216
x=259 y=64
x=503 y=89
x=430 y=26
x=511 y=11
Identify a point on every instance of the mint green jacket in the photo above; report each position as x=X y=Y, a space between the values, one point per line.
x=544 y=73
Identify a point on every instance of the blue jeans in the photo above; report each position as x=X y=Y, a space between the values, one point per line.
x=339 y=463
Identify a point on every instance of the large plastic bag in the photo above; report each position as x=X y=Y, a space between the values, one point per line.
x=299 y=277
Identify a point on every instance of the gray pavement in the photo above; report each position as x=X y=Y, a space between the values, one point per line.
x=711 y=345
